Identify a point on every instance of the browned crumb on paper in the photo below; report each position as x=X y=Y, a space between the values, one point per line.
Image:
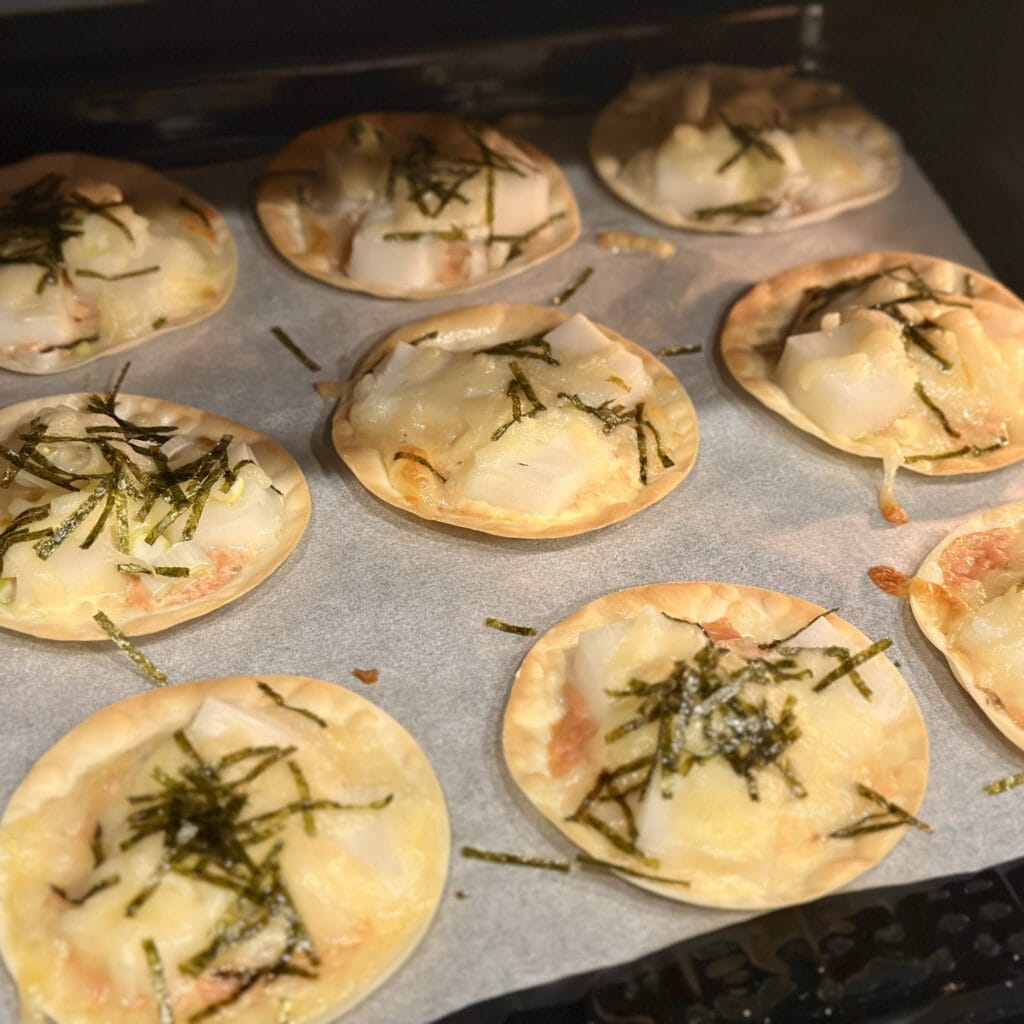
x=366 y=675
x=331 y=388
x=893 y=511
x=891 y=580
x=627 y=241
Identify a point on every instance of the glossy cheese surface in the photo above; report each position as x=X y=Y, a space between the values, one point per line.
x=516 y=420
x=247 y=825
x=743 y=802
x=144 y=510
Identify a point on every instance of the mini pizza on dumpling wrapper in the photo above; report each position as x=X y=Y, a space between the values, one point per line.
x=903 y=357
x=99 y=254
x=151 y=512
x=414 y=206
x=740 y=149
x=243 y=850
x=722 y=745
x=517 y=421
x=968 y=600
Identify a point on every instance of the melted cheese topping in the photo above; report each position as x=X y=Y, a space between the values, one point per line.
x=423 y=212
x=734 y=146
x=143 y=556
x=347 y=885
x=968 y=598
x=745 y=822
x=538 y=428
x=126 y=266
x=908 y=374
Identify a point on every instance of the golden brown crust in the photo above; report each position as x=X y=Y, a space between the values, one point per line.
x=482 y=326
x=354 y=726
x=634 y=121
x=146 y=190
x=284 y=471
x=277 y=204
x=941 y=612
x=756 y=326
x=803 y=865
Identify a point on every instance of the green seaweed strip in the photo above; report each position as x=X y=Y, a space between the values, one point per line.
x=282 y=336
x=680 y=350
x=1010 y=782
x=280 y=702
x=578 y=282
x=970 y=450
x=858 y=659
x=305 y=798
x=760 y=207
x=507 y=627
x=159 y=982
x=184 y=203
x=77 y=901
x=928 y=401
x=154 y=674
x=118 y=277
x=519 y=860
x=413 y=457
x=888 y=806
x=772 y=644
x=45 y=548
x=585 y=860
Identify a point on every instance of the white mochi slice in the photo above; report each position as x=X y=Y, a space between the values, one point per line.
x=30 y=317
x=576 y=336
x=521 y=202
x=992 y=637
x=533 y=467
x=851 y=380
x=378 y=260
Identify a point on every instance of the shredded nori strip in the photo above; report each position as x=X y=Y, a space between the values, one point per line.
x=199 y=812
x=1010 y=782
x=680 y=350
x=515 y=858
x=772 y=644
x=280 y=702
x=117 y=277
x=850 y=663
x=928 y=401
x=760 y=207
x=971 y=450
x=891 y=816
x=519 y=387
x=123 y=643
x=87 y=339
x=507 y=627
x=533 y=347
x=186 y=204
x=159 y=981
x=77 y=901
x=414 y=457
x=578 y=282
x=585 y=860
x=748 y=138
x=282 y=336
x=96 y=846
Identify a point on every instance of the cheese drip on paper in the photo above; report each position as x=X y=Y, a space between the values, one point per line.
x=428 y=213
x=533 y=425
x=97 y=511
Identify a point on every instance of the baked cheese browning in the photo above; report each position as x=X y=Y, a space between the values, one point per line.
x=748 y=150
x=718 y=736
x=968 y=598
x=248 y=858
x=413 y=205
x=99 y=254
x=105 y=505
x=886 y=355
x=516 y=420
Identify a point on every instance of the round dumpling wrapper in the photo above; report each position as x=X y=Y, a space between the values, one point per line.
x=136 y=255
x=941 y=361
x=742 y=150
x=414 y=206
x=968 y=601
x=517 y=421
x=276 y=845
x=127 y=546
x=779 y=761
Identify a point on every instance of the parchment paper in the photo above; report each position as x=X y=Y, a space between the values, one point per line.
x=371 y=587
